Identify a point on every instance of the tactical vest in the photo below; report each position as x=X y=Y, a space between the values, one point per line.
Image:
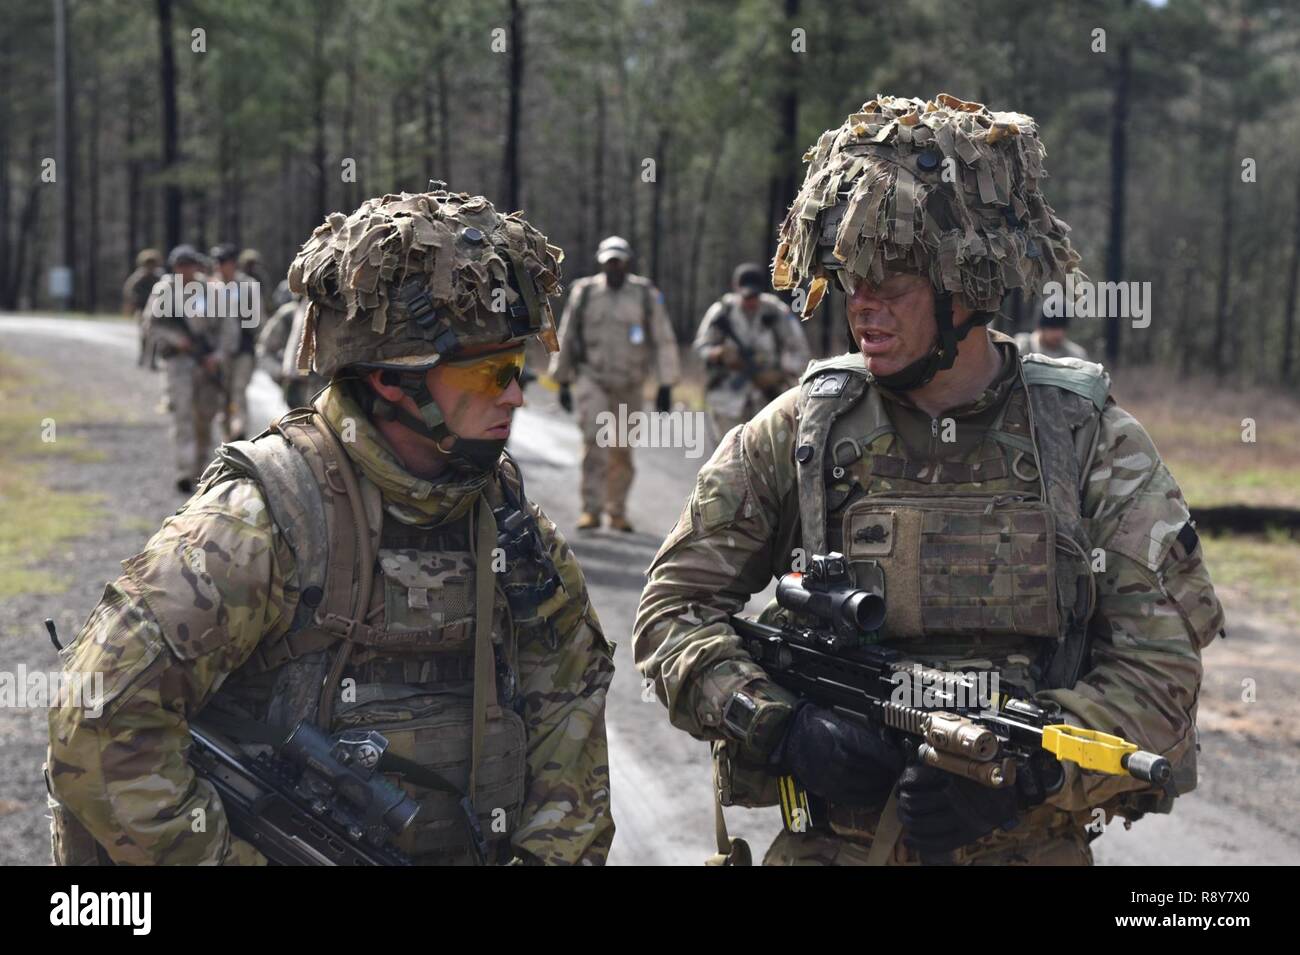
x=984 y=562
x=416 y=666
x=983 y=557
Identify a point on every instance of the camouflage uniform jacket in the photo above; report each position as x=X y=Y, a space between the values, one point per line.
x=136 y=289
x=1154 y=609
x=185 y=625
x=774 y=337
x=173 y=315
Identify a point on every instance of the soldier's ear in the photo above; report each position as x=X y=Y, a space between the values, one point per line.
x=384 y=383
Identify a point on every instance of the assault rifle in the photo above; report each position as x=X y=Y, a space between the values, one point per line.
x=312 y=800
x=938 y=714
x=749 y=372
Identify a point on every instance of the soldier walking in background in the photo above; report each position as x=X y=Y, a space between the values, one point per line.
x=196 y=345
x=1050 y=339
x=753 y=348
x=246 y=292
x=614 y=331
x=135 y=293
x=277 y=351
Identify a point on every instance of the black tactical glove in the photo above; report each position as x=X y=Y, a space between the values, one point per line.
x=664 y=399
x=941 y=812
x=566 y=398
x=837 y=758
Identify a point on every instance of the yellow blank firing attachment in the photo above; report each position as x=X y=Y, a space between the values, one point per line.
x=1103 y=753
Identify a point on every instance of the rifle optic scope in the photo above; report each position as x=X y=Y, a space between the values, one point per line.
x=826 y=591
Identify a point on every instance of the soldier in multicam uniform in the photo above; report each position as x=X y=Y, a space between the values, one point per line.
x=342 y=568
x=246 y=291
x=136 y=289
x=1017 y=519
x=196 y=344
x=250 y=263
x=1050 y=339
x=614 y=327
x=277 y=350
x=753 y=348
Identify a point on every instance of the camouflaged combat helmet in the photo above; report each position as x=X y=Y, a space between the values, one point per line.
x=408 y=280
x=946 y=189
x=411 y=280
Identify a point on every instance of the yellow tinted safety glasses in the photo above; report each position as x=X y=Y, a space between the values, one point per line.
x=489 y=374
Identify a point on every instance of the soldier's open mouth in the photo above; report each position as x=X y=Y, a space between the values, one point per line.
x=875 y=342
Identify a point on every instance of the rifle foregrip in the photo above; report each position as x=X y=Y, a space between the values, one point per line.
x=1148 y=767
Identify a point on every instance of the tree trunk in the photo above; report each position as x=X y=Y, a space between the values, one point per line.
x=66 y=150
x=782 y=185
x=656 y=202
x=395 y=145
x=598 y=173
x=170 y=126
x=25 y=240
x=132 y=215
x=91 y=296
x=319 y=75
x=515 y=81
x=1118 y=174
x=199 y=196
x=697 y=237
x=427 y=154
x=445 y=172
x=1223 y=293
x=1288 y=320
x=7 y=278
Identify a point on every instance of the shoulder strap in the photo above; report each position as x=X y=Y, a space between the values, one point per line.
x=1084 y=378
x=828 y=391
x=294 y=499
x=1065 y=404
x=304 y=478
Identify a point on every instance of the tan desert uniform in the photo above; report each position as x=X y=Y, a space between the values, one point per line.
x=1029 y=343
x=195 y=395
x=608 y=348
x=775 y=340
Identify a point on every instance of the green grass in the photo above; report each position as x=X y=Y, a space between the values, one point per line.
x=36 y=521
x=1206 y=484
x=1260 y=571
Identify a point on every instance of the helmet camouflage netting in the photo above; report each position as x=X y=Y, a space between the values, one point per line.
x=945 y=188
x=410 y=278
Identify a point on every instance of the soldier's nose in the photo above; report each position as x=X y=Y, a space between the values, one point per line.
x=513 y=396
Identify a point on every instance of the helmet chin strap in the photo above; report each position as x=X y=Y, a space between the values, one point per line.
x=942 y=355
x=468 y=455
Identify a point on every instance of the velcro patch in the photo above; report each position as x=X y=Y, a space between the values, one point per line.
x=829 y=385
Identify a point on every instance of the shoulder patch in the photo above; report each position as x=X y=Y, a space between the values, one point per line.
x=1084 y=378
x=829 y=385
